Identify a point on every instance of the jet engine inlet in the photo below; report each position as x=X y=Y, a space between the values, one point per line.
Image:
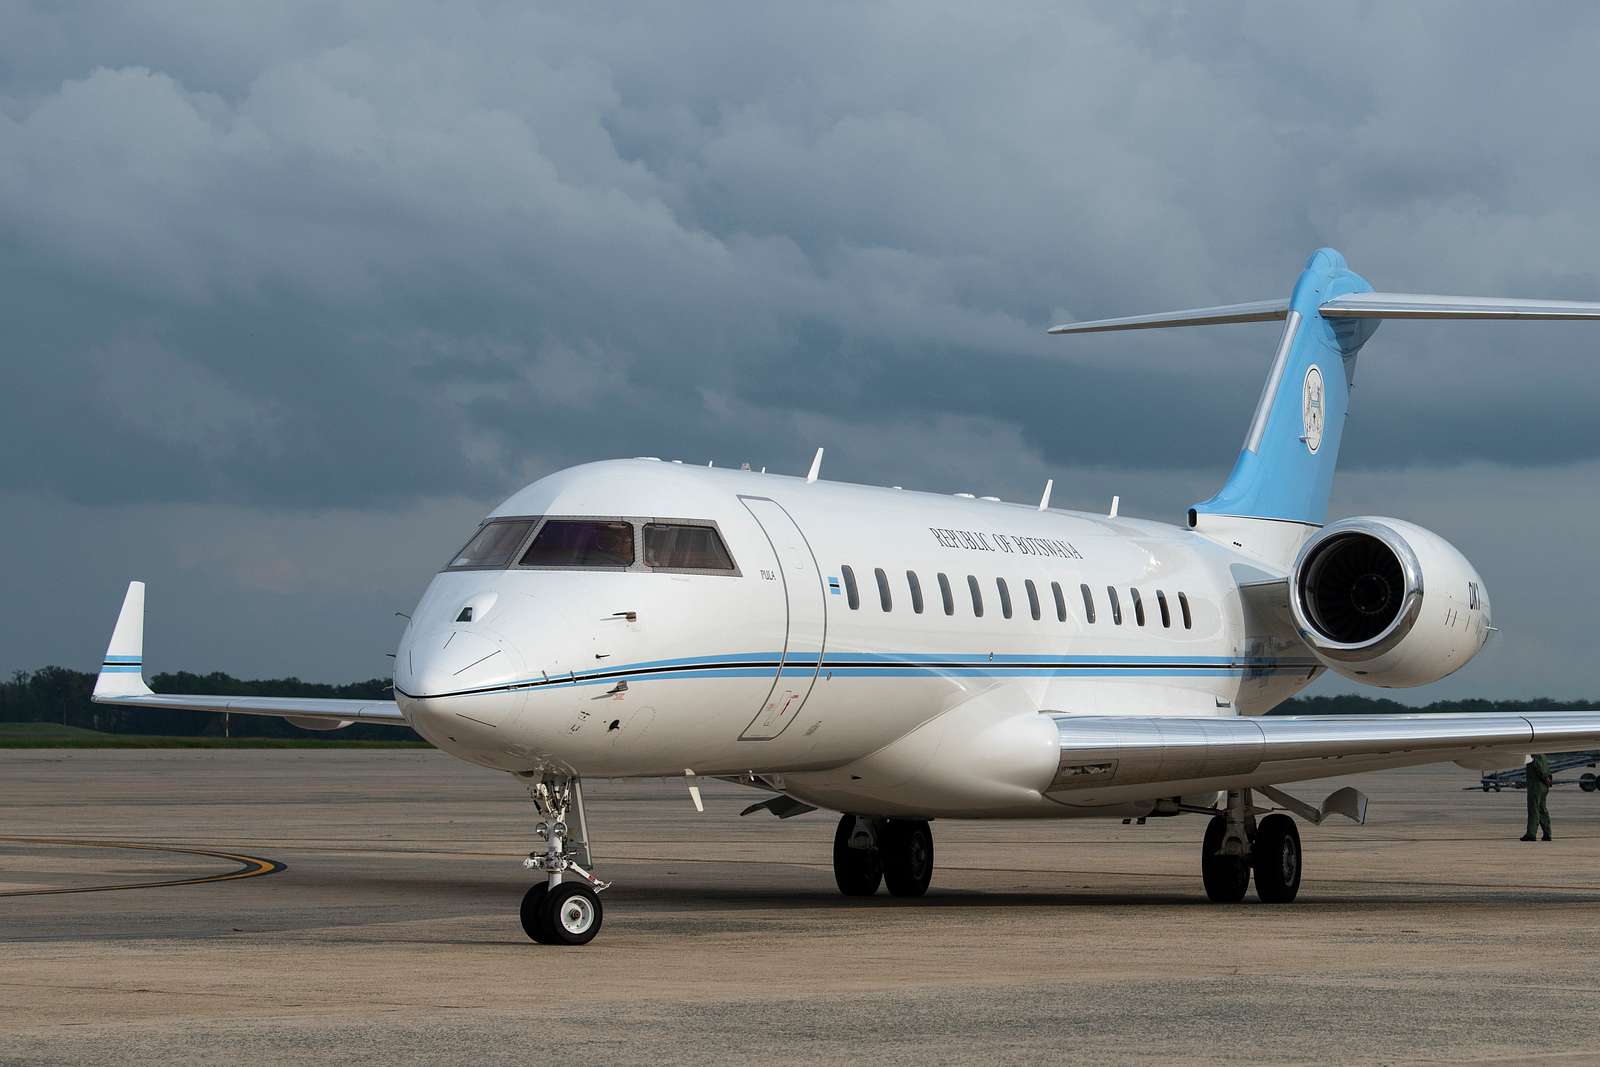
x=1353 y=587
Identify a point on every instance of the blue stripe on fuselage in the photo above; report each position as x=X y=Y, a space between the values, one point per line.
x=909 y=665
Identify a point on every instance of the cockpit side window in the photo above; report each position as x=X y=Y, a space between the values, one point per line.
x=493 y=545
x=685 y=547
x=581 y=543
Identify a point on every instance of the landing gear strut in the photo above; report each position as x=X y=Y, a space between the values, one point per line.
x=1235 y=845
x=557 y=911
x=897 y=852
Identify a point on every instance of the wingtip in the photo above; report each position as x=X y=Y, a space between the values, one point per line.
x=122 y=670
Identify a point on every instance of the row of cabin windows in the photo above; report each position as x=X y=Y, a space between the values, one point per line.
x=1058 y=598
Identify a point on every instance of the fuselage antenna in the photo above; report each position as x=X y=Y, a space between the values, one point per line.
x=816 y=467
x=1044 y=501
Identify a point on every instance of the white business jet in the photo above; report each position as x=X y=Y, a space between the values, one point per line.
x=901 y=657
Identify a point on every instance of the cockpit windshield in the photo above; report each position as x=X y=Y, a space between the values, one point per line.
x=644 y=545
x=684 y=546
x=581 y=543
x=494 y=544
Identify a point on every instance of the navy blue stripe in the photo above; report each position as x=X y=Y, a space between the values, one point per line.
x=883 y=667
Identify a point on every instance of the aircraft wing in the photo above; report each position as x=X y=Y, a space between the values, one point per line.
x=1113 y=757
x=121 y=682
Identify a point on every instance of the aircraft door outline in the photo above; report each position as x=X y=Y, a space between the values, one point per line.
x=805 y=620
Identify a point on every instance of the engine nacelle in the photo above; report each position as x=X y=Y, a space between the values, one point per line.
x=1387 y=602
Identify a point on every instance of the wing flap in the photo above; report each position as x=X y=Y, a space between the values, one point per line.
x=1113 y=758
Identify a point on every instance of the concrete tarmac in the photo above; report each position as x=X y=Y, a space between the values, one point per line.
x=362 y=905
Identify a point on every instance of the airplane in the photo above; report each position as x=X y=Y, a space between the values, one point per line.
x=901 y=657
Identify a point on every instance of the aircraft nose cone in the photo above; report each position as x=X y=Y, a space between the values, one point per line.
x=454 y=661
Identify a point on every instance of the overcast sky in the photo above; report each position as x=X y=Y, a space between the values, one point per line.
x=291 y=293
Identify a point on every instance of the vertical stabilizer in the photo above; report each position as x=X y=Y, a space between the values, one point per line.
x=1285 y=469
x=122 y=672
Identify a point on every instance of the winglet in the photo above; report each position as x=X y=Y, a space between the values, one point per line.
x=122 y=672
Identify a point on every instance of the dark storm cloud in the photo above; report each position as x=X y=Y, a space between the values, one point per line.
x=374 y=256
x=303 y=233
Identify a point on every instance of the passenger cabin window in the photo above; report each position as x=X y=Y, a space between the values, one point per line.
x=1033 y=599
x=1183 y=606
x=581 y=543
x=883 y=589
x=1116 y=605
x=851 y=593
x=494 y=544
x=1138 y=606
x=947 y=596
x=916 y=591
x=1061 y=602
x=1088 y=603
x=1005 y=597
x=977 y=596
x=1166 y=614
x=683 y=547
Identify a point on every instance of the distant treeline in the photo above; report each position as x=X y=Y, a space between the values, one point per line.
x=59 y=695
x=1352 y=704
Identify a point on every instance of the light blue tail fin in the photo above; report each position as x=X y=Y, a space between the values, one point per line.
x=1285 y=469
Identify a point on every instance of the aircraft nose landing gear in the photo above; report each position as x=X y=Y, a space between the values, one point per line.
x=556 y=911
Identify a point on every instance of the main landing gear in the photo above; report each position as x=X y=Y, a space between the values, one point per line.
x=1235 y=846
x=897 y=852
x=558 y=911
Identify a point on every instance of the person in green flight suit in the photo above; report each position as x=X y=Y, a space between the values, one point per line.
x=1539 y=781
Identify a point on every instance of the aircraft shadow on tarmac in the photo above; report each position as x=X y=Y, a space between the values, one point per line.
x=695 y=895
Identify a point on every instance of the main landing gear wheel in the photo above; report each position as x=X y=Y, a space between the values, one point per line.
x=858 y=867
x=907 y=850
x=1276 y=856
x=1226 y=877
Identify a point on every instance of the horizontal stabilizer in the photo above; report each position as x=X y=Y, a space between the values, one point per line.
x=1426 y=306
x=1257 y=311
x=1351 y=306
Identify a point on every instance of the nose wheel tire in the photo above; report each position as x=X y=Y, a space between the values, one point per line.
x=1276 y=855
x=907 y=852
x=857 y=870
x=575 y=914
x=569 y=914
x=1226 y=878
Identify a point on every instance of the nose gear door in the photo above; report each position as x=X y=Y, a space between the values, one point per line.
x=807 y=620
